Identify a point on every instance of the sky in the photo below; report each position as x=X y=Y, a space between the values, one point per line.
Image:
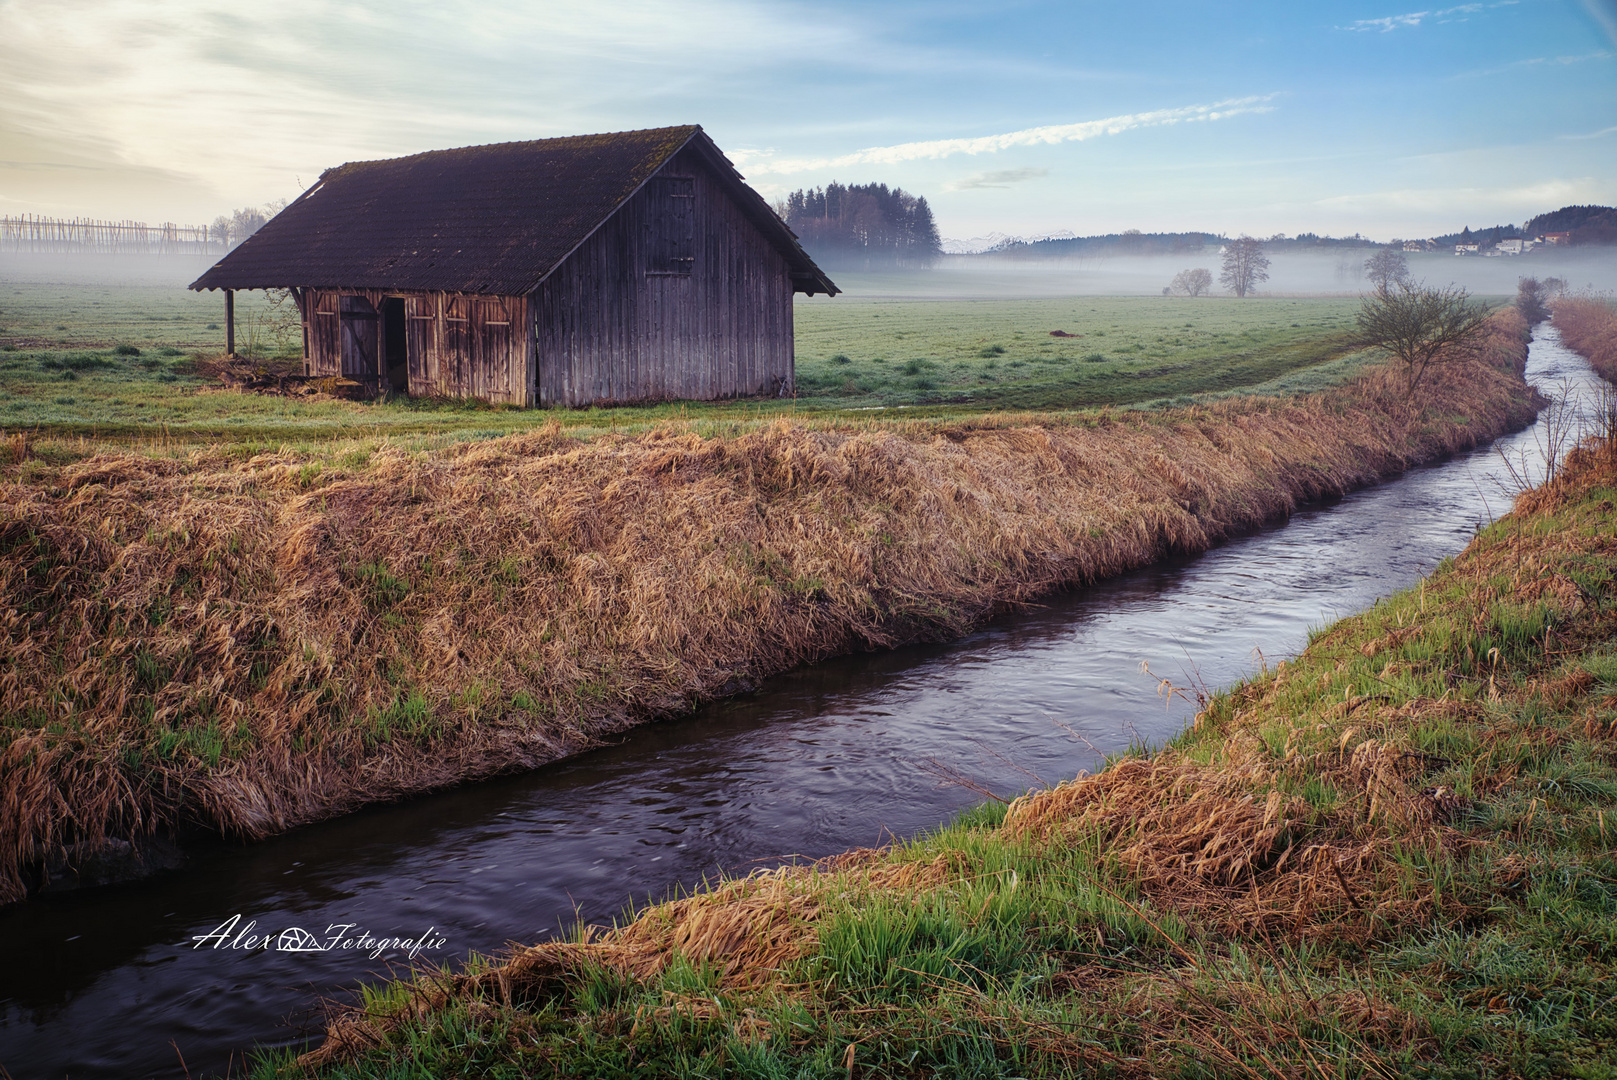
x=1378 y=117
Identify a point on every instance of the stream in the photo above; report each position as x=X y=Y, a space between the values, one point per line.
x=113 y=983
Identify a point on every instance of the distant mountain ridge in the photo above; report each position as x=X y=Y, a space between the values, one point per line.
x=1584 y=224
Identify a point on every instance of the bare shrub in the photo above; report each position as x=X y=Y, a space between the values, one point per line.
x=1422 y=326
x=1559 y=430
x=1531 y=300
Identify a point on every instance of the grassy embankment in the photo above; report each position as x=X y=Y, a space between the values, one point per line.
x=855 y=358
x=249 y=641
x=1388 y=856
x=1589 y=328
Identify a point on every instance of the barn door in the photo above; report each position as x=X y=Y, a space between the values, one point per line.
x=359 y=323
x=420 y=317
x=494 y=376
x=325 y=337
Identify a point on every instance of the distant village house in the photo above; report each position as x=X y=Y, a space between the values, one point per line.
x=632 y=266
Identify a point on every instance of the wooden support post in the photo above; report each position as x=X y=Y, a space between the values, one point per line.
x=384 y=380
x=230 y=323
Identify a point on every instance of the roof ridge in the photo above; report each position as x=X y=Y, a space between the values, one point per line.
x=687 y=129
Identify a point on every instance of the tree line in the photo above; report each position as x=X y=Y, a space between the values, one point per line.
x=863 y=226
x=231 y=229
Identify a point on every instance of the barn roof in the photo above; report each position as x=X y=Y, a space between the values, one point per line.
x=481 y=219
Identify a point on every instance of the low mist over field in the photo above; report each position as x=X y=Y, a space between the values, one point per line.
x=177 y=271
x=1333 y=273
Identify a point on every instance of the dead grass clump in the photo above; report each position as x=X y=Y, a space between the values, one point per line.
x=749 y=929
x=1203 y=842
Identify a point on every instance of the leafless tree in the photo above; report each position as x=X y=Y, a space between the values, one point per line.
x=233 y=228
x=1245 y=265
x=1422 y=326
x=1387 y=268
x=1192 y=282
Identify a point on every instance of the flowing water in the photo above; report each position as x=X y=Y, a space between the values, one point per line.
x=853 y=752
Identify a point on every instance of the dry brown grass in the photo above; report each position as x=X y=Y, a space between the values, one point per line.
x=250 y=645
x=1589 y=328
x=1322 y=901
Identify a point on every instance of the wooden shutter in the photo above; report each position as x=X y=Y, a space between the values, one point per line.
x=671 y=225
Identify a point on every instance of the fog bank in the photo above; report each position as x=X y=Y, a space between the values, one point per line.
x=56 y=268
x=1291 y=273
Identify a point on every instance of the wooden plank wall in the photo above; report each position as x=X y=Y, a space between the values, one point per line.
x=609 y=329
x=325 y=332
x=456 y=346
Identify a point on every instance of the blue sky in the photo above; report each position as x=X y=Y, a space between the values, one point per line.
x=1379 y=116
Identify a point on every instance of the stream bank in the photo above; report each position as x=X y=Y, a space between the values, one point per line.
x=1389 y=854
x=243 y=647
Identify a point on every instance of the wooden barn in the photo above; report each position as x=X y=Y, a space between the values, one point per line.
x=632 y=266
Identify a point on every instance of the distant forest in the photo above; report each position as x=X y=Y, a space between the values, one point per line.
x=1485 y=238
x=1135 y=242
x=1587 y=224
x=864 y=227
x=1131 y=242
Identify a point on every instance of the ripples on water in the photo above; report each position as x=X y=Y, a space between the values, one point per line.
x=844 y=754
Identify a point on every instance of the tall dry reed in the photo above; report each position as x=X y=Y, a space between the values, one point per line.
x=246 y=646
x=1589 y=328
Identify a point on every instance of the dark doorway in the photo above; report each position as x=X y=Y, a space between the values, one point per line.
x=398 y=363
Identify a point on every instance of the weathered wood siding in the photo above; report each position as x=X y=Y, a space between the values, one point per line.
x=324 y=335
x=469 y=346
x=455 y=345
x=621 y=320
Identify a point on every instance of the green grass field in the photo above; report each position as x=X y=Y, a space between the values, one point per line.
x=48 y=315
x=1112 y=350
x=122 y=362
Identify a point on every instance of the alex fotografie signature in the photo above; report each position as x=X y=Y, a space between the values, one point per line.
x=338 y=936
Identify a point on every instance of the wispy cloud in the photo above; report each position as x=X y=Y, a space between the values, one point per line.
x=245 y=100
x=1004 y=178
x=1537 y=61
x=1415 y=18
x=1604 y=12
x=1037 y=136
x=1508 y=199
x=1602 y=133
